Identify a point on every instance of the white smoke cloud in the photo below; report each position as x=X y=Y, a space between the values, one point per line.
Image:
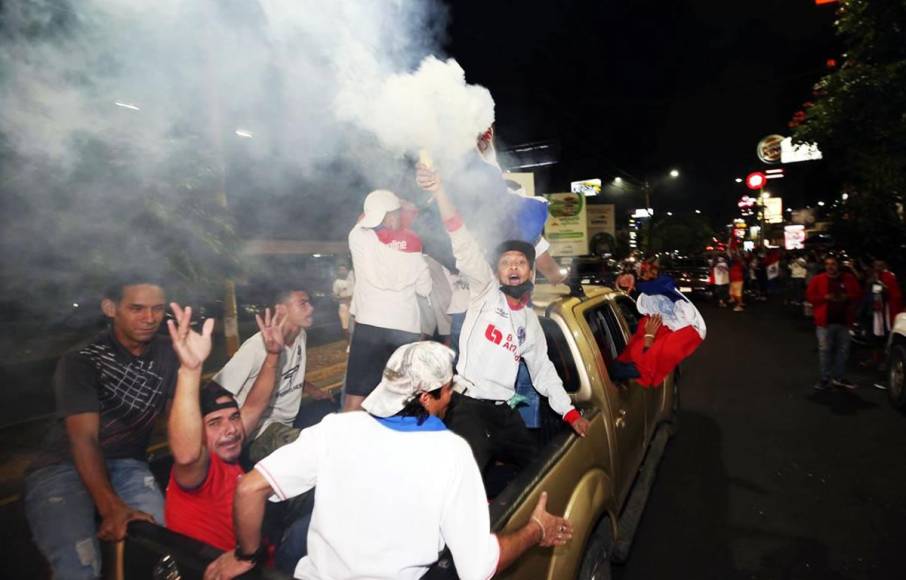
x=432 y=108
x=105 y=104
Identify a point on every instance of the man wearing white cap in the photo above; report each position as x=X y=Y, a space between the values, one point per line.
x=393 y=487
x=391 y=272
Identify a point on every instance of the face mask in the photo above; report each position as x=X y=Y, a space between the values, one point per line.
x=518 y=291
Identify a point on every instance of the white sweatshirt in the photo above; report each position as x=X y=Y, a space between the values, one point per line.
x=387 y=281
x=495 y=336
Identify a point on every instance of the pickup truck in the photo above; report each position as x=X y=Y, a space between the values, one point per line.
x=600 y=482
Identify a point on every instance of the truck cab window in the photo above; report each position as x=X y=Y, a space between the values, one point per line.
x=560 y=355
x=607 y=332
x=629 y=311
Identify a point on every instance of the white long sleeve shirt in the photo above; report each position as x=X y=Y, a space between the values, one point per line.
x=387 y=282
x=495 y=336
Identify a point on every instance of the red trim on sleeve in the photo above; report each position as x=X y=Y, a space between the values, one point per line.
x=572 y=416
x=454 y=223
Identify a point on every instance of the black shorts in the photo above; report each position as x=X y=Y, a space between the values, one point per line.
x=369 y=351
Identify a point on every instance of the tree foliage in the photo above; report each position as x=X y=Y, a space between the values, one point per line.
x=858 y=119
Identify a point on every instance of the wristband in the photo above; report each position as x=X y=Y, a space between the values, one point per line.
x=649 y=336
x=454 y=223
x=254 y=557
x=572 y=416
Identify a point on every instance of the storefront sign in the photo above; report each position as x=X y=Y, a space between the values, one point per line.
x=567 y=224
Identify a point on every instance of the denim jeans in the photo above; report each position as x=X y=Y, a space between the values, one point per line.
x=62 y=516
x=456 y=321
x=833 y=351
x=531 y=409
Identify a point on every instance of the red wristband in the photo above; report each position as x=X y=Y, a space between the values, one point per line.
x=572 y=416
x=454 y=223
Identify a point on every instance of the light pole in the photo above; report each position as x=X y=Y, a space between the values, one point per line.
x=647 y=186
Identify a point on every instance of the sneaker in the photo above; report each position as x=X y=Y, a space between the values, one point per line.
x=880 y=386
x=738 y=309
x=844 y=384
x=821 y=386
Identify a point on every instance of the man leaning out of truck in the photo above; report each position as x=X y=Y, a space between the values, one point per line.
x=500 y=329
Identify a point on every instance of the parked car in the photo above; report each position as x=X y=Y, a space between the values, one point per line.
x=600 y=482
x=692 y=275
x=896 y=362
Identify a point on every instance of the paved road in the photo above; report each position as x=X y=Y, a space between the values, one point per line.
x=768 y=478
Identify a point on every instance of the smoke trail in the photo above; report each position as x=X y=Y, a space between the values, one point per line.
x=121 y=121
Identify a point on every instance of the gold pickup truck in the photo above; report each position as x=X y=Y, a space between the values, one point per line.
x=600 y=482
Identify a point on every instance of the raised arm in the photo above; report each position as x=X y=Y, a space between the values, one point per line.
x=259 y=396
x=468 y=253
x=185 y=427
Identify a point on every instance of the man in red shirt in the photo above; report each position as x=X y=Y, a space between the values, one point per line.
x=834 y=296
x=206 y=439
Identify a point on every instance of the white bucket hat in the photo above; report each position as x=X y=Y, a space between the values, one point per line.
x=418 y=367
x=378 y=203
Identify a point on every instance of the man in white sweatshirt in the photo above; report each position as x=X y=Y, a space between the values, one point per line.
x=391 y=273
x=500 y=329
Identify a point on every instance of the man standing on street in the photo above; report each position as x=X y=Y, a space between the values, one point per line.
x=393 y=488
x=94 y=465
x=834 y=296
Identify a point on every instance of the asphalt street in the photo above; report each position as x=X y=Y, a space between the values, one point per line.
x=768 y=478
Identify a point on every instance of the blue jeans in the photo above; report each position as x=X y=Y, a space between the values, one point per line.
x=530 y=410
x=456 y=321
x=63 y=519
x=833 y=351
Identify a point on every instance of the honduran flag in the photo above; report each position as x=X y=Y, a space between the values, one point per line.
x=681 y=333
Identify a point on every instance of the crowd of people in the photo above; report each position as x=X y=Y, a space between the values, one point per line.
x=373 y=491
x=846 y=298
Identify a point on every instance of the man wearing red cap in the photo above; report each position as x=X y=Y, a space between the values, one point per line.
x=499 y=331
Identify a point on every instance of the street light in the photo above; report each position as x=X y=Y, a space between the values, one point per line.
x=617 y=180
x=674 y=173
x=698 y=211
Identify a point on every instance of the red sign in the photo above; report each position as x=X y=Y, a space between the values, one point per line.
x=756 y=180
x=820 y=2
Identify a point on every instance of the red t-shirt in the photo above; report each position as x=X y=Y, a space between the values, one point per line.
x=206 y=512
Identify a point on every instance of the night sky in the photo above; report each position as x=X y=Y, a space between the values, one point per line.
x=641 y=87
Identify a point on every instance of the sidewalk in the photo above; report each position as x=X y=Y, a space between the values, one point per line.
x=326 y=365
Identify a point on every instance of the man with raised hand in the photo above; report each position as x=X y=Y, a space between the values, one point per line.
x=280 y=420
x=207 y=429
x=393 y=487
x=499 y=331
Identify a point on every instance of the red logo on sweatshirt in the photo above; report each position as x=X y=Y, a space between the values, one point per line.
x=492 y=334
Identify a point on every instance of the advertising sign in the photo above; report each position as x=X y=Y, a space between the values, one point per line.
x=794 y=237
x=601 y=219
x=773 y=210
x=768 y=149
x=522 y=183
x=790 y=153
x=588 y=187
x=567 y=224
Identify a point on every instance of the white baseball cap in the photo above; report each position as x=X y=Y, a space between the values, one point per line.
x=377 y=204
x=418 y=367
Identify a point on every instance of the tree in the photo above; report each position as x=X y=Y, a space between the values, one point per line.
x=687 y=234
x=858 y=119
